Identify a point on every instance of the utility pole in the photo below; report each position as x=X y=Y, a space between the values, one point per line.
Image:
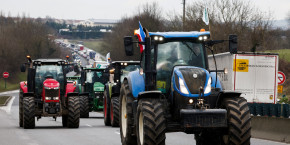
x=183 y=18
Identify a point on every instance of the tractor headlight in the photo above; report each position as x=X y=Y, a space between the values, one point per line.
x=55 y=98
x=48 y=88
x=182 y=87
x=47 y=98
x=208 y=86
x=56 y=88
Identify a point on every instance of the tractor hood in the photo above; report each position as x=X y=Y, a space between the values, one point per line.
x=51 y=84
x=98 y=87
x=191 y=81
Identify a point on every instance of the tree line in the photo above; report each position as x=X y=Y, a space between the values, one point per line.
x=23 y=36
x=253 y=26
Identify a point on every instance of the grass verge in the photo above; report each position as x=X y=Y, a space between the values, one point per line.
x=3 y=100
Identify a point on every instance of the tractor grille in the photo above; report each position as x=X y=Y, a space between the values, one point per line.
x=51 y=92
x=192 y=83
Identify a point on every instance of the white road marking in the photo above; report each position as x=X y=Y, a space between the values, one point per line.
x=117 y=132
x=9 y=92
x=7 y=108
x=89 y=125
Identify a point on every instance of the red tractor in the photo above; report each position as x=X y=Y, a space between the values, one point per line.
x=47 y=93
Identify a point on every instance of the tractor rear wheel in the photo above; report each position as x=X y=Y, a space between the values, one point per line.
x=126 y=116
x=20 y=108
x=239 y=122
x=28 y=113
x=73 y=118
x=84 y=106
x=151 y=125
x=106 y=109
x=115 y=111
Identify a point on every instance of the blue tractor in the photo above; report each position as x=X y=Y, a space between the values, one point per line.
x=174 y=91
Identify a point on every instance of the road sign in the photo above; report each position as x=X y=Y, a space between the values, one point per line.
x=281 y=78
x=5 y=75
x=280 y=89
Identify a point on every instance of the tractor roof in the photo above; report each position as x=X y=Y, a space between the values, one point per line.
x=54 y=60
x=128 y=62
x=191 y=34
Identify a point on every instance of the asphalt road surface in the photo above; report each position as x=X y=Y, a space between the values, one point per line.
x=92 y=131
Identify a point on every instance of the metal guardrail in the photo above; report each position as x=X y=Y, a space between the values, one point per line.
x=273 y=110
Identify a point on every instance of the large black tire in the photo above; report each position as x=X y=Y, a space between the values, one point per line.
x=20 y=108
x=115 y=111
x=151 y=124
x=126 y=118
x=106 y=109
x=239 y=125
x=28 y=113
x=73 y=118
x=84 y=106
x=64 y=120
x=239 y=120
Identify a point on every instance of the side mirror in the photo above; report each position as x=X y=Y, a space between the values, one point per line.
x=233 y=43
x=128 y=43
x=76 y=68
x=83 y=77
x=23 y=67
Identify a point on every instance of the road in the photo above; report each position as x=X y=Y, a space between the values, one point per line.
x=92 y=131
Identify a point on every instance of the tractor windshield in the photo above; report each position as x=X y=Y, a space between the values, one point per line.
x=176 y=53
x=95 y=76
x=128 y=69
x=45 y=71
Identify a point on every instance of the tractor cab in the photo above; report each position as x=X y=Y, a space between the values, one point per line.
x=120 y=69
x=49 y=80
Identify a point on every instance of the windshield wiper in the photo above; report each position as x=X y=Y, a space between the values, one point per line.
x=183 y=42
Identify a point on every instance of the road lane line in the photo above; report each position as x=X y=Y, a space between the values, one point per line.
x=89 y=125
x=7 y=108
x=117 y=132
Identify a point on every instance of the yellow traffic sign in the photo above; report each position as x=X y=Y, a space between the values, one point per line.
x=280 y=88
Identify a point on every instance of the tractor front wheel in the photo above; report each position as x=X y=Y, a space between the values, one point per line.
x=151 y=125
x=20 y=108
x=84 y=106
x=239 y=122
x=126 y=116
x=115 y=111
x=73 y=118
x=28 y=113
x=106 y=109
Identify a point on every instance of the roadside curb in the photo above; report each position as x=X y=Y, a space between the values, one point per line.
x=271 y=128
x=6 y=102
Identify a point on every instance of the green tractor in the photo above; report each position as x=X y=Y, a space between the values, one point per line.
x=91 y=89
x=118 y=71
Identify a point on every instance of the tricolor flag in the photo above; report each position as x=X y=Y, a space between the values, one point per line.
x=141 y=36
x=205 y=16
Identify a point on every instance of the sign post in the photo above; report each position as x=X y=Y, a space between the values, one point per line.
x=5 y=76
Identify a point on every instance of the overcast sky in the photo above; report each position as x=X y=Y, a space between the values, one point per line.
x=112 y=9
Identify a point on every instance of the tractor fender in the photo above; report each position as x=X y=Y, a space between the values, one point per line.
x=70 y=88
x=214 y=79
x=149 y=94
x=84 y=94
x=28 y=94
x=72 y=94
x=136 y=83
x=227 y=94
x=23 y=86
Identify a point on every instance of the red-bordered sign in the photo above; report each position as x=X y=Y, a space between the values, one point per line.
x=5 y=75
x=281 y=77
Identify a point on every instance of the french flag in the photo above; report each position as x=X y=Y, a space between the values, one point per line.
x=141 y=36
